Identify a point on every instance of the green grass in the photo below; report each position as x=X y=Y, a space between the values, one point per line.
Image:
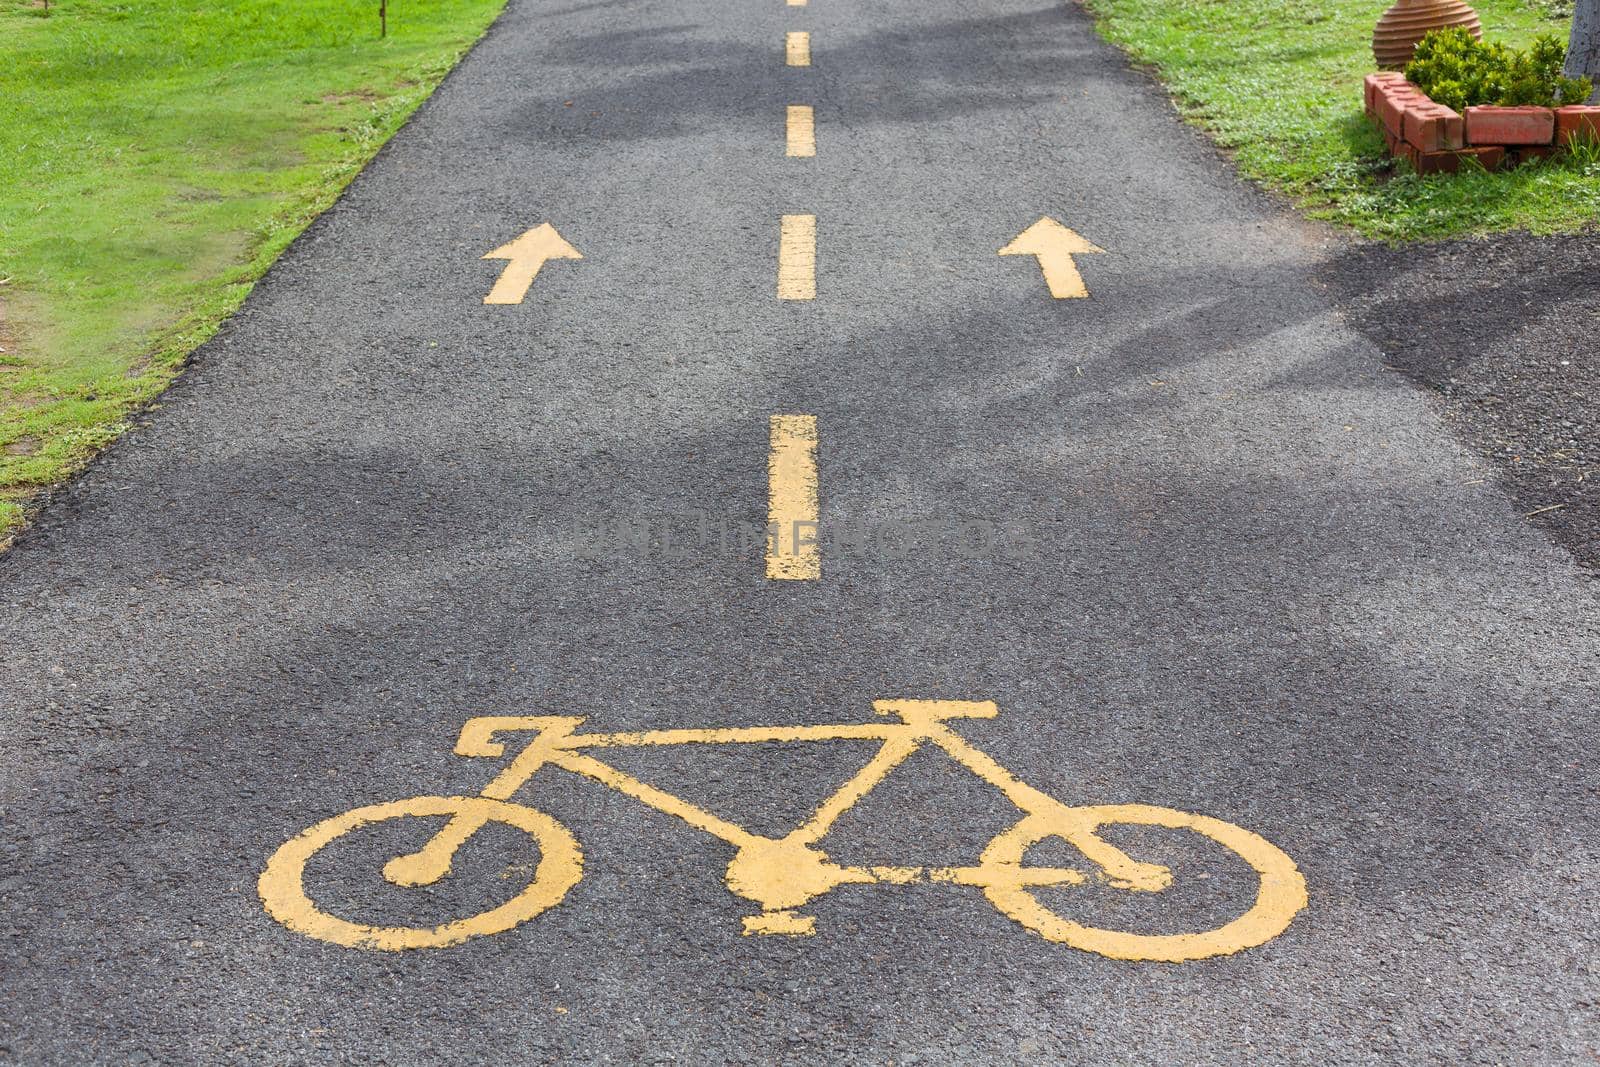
x=1278 y=83
x=155 y=157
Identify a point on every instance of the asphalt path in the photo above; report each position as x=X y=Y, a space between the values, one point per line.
x=1229 y=565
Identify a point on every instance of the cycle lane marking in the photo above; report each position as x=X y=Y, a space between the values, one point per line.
x=797 y=48
x=793 y=553
x=775 y=872
x=1054 y=245
x=797 y=257
x=527 y=255
x=782 y=874
x=800 y=131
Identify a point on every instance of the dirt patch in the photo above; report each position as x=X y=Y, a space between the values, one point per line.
x=1503 y=331
x=366 y=96
x=22 y=401
x=22 y=446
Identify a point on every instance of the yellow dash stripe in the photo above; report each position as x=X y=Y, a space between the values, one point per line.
x=797 y=258
x=802 y=130
x=792 y=551
x=797 y=3
x=797 y=49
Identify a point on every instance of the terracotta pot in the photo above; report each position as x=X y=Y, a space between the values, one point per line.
x=1408 y=21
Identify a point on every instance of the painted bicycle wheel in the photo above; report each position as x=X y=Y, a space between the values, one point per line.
x=284 y=896
x=1281 y=895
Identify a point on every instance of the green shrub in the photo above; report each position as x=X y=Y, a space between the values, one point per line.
x=1457 y=70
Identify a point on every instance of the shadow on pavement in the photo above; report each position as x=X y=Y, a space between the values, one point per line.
x=1503 y=331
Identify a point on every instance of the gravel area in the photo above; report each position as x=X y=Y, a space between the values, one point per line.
x=1505 y=331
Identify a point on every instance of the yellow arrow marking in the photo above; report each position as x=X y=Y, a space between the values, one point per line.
x=797 y=49
x=792 y=551
x=1055 y=245
x=802 y=130
x=527 y=254
x=797 y=257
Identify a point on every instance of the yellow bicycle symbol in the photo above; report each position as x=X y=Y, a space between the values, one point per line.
x=783 y=874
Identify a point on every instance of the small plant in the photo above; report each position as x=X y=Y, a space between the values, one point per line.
x=1459 y=71
x=1583 y=155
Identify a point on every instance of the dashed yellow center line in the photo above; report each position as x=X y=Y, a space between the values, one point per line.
x=797 y=49
x=797 y=3
x=792 y=550
x=802 y=130
x=797 y=257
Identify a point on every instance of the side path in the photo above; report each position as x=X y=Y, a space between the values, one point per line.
x=1259 y=581
x=1503 y=330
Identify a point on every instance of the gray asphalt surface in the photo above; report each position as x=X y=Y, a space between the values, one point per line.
x=1246 y=573
x=1504 y=331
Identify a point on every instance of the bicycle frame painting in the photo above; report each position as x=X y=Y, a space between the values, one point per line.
x=783 y=874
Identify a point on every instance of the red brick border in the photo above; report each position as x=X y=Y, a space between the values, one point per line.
x=1577 y=121
x=1436 y=139
x=1511 y=125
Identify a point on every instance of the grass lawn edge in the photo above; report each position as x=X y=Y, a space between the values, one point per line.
x=165 y=353
x=1351 y=185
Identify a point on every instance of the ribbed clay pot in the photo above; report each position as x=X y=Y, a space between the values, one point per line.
x=1408 y=21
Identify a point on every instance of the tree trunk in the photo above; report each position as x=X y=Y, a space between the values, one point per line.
x=1583 y=52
